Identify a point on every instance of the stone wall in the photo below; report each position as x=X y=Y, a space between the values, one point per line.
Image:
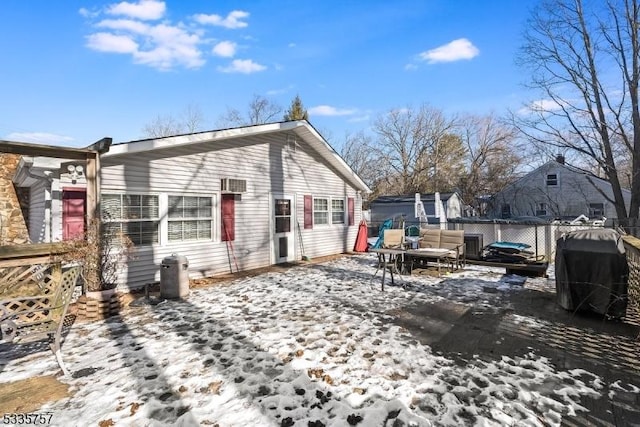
x=13 y=229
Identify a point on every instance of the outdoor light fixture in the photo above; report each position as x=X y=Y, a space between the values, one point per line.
x=75 y=171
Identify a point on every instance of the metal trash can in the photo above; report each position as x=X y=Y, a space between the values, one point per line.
x=174 y=277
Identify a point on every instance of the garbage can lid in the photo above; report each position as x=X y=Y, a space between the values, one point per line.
x=175 y=259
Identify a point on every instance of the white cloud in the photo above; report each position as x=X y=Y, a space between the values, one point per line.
x=144 y=9
x=453 y=51
x=83 y=11
x=327 y=110
x=244 y=66
x=272 y=92
x=540 y=106
x=232 y=21
x=358 y=119
x=107 y=42
x=125 y=25
x=225 y=49
x=160 y=46
x=545 y=105
x=39 y=138
x=172 y=46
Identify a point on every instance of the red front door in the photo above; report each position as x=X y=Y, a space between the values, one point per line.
x=73 y=211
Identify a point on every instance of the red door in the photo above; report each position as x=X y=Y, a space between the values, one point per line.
x=73 y=209
x=228 y=217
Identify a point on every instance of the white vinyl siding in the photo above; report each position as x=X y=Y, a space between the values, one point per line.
x=337 y=211
x=268 y=168
x=39 y=221
x=190 y=218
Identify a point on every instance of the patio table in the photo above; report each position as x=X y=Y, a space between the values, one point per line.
x=438 y=254
x=388 y=257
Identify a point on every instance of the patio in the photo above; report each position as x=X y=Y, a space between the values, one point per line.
x=320 y=344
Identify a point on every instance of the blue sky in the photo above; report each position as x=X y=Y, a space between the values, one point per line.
x=74 y=72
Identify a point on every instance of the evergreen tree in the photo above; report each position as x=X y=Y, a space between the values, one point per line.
x=296 y=111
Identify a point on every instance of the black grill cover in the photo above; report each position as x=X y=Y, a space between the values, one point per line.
x=592 y=272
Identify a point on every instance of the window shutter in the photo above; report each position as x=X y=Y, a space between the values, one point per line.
x=228 y=217
x=308 y=212
x=351 y=207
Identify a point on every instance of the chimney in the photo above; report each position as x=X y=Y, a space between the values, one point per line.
x=560 y=159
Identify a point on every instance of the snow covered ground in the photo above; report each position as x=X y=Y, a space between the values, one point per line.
x=312 y=346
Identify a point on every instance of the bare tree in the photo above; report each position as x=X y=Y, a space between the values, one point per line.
x=406 y=145
x=492 y=158
x=586 y=64
x=260 y=110
x=167 y=125
x=162 y=126
x=359 y=153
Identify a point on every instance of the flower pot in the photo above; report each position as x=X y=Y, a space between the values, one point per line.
x=104 y=295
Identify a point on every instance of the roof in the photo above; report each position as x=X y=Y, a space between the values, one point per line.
x=303 y=129
x=570 y=168
x=424 y=197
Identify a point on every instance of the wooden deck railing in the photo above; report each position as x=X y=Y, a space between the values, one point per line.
x=29 y=269
x=632 y=247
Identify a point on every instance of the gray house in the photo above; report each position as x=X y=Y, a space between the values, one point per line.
x=556 y=190
x=229 y=200
x=385 y=207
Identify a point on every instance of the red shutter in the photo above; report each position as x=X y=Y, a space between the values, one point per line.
x=308 y=212
x=228 y=210
x=351 y=207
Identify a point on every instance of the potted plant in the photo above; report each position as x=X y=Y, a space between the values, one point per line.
x=102 y=253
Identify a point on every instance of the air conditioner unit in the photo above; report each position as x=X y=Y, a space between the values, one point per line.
x=473 y=245
x=230 y=185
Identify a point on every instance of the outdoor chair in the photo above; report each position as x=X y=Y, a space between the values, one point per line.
x=40 y=317
x=393 y=238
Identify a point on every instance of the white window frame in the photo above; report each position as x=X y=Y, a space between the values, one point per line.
x=121 y=220
x=210 y=218
x=542 y=209
x=557 y=180
x=344 y=211
x=328 y=211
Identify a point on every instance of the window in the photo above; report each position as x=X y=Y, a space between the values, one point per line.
x=552 y=179
x=135 y=215
x=506 y=211
x=541 y=209
x=596 y=210
x=189 y=218
x=337 y=211
x=320 y=211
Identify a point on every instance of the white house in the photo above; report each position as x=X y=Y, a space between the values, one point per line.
x=385 y=207
x=231 y=199
x=56 y=197
x=556 y=190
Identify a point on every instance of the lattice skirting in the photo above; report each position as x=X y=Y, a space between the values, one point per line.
x=89 y=309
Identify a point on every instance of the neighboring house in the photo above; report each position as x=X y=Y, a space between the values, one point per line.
x=56 y=197
x=231 y=199
x=385 y=207
x=556 y=190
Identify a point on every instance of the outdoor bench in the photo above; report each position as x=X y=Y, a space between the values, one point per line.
x=34 y=318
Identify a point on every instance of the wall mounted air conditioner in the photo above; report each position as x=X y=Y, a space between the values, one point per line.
x=473 y=245
x=230 y=185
